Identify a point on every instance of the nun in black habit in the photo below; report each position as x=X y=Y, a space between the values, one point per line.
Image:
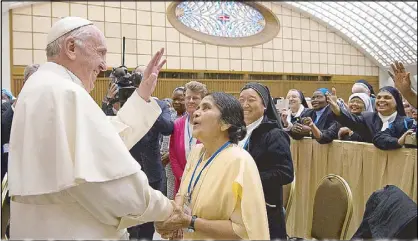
x=318 y=122
x=389 y=109
x=394 y=136
x=389 y=214
x=269 y=146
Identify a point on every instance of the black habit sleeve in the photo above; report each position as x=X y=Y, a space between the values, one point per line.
x=388 y=139
x=278 y=151
x=329 y=134
x=356 y=123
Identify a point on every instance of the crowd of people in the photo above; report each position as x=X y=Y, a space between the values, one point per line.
x=384 y=119
x=221 y=160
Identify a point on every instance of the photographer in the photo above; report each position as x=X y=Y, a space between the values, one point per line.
x=110 y=104
x=147 y=153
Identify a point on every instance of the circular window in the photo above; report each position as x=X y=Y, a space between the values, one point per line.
x=224 y=23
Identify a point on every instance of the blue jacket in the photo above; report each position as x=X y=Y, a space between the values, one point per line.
x=147 y=151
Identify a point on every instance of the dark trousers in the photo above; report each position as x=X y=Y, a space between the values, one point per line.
x=277 y=223
x=146 y=230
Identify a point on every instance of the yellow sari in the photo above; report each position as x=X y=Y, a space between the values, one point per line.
x=228 y=189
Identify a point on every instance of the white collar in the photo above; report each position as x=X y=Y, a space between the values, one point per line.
x=62 y=71
x=297 y=114
x=386 y=120
x=250 y=129
x=254 y=125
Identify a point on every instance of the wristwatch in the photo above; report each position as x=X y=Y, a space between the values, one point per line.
x=191 y=225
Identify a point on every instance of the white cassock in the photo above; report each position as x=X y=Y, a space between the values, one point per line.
x=71 y=175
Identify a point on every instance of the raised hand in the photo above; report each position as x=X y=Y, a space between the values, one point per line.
x=332 y=101
x=149 y=82
x=283 y=115
x=400 y=77
x=111 y=92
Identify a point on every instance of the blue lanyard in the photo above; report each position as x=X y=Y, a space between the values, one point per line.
x=188 y=132
x=189 y=190
x=246 y=143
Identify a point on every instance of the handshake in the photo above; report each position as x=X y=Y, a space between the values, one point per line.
x=172 y=228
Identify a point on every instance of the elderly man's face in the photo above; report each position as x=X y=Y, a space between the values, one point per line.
x=91 y=58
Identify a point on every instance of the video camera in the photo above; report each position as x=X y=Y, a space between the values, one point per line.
x=126 y=82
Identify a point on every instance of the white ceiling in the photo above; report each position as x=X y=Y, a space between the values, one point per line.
x=384 y=31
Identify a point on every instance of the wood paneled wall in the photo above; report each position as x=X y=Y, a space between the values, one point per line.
x=278 y=88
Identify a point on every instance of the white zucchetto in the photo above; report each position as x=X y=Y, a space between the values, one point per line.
x=66 y=25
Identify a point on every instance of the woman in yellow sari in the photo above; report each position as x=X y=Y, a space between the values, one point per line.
x=220 y=195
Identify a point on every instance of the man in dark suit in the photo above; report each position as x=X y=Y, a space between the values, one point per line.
x=147 y=154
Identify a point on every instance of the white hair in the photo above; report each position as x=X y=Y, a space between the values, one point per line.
x=29 y=70
x=80 y=34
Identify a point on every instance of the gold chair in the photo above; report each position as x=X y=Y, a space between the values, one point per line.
x=4 y=189
x=332 y=209
x=288 y=194
x=5 y=208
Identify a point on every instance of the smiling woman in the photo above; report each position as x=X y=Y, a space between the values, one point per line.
x=224 y=23
x=389 y=110
x=218 y=169
x=182 y=141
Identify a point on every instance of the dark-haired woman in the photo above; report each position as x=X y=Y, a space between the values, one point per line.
x=269 y=145
x=220 y=191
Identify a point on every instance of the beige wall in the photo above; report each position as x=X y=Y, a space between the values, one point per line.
x=302 y=45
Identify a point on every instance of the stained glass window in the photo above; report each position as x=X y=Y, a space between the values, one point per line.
x=221 y=19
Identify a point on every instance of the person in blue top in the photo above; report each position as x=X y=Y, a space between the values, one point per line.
x=318 y=122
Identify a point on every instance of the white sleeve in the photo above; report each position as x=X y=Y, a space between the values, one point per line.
x=289 y=126
x=123 y=202
x=135 y=119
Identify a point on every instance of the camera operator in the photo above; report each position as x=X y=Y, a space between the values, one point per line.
x=147 y=153
x=110 y=104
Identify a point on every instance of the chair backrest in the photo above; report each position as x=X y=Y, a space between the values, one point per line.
x=4 y=189
x=288 y=194
x=5 y=208
x=332 y=208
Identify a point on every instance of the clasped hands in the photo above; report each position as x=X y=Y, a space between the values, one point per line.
x=172 y=228
x=303 y=128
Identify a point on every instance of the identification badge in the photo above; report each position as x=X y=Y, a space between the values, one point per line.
x=6 y=148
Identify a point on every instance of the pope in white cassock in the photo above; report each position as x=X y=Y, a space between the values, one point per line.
x=71 y=174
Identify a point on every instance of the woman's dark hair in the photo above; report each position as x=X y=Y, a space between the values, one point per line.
x=231 y=113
